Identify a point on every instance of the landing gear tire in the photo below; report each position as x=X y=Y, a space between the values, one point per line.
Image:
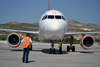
x=52 y=51
x=68 y=49
x=73 y=49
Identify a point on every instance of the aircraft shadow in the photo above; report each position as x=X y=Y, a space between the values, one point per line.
x=47 y=51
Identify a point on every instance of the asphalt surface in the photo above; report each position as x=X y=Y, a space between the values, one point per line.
x=40 y=57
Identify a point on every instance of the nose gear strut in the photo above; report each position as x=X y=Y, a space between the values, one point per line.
x=52 y=49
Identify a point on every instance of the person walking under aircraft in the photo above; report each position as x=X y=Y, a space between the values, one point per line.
x=26 y=43
x=60 y=47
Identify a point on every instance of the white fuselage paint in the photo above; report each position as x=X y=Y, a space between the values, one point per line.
x=52 y=29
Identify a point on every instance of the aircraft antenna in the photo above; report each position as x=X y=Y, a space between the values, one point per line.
x=48 y=5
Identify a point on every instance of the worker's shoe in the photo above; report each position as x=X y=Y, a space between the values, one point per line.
x=26 y=62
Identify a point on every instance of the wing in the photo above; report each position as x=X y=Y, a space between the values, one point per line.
x=86 y=42
x=35 y=33
x=79 y=33
x=31 y=27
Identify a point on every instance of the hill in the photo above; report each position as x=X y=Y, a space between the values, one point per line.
x=76 y=25
x=73 y=25
x=19 y=26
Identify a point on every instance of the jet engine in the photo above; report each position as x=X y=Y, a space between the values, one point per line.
x=87 y=42
x=14 y=40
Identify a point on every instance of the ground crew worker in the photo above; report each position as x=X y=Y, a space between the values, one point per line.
x=26 y=43
x=60 y=47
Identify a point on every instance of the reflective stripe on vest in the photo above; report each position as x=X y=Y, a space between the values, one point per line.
x=26 y=42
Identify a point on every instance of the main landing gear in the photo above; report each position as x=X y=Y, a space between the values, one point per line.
x=70 y=47
x=52 y=49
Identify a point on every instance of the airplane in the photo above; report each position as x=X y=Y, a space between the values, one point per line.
x=52 y=27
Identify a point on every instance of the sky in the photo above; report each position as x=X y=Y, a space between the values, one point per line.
x=30 y=11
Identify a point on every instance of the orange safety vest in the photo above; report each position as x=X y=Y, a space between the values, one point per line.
x=26 y=42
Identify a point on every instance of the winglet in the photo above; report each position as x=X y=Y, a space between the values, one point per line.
x=48 y=4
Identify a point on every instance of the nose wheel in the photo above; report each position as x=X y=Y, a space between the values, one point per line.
x=52 y=49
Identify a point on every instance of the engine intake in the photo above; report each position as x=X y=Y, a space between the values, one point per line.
x=14 y=40
x=87 y=42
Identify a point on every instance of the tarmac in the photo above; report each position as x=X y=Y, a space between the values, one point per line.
x=40 y=57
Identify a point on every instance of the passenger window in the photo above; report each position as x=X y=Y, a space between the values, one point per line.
x=57 y=17
x=63 y=18
x=44 y=17
x=50 y=16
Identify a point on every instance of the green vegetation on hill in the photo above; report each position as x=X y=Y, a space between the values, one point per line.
x=3 y=37
x=19 y=26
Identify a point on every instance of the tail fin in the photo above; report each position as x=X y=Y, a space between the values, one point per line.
x=48 y=5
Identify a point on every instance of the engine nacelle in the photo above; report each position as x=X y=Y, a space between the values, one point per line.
x=87 y=42
x=14 y=40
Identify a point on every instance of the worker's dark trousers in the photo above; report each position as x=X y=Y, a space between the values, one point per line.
x=25 y=55
x=60 y=50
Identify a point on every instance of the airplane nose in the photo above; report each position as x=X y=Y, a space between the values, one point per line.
x=55 y=27
x=54 y=30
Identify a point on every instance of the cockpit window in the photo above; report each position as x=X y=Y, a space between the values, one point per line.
x=53 y=17
x=57 y=17
x=50 y=16
x=63 y=18
x=44 y=17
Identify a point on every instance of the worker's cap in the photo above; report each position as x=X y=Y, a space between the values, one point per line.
x=27 y=34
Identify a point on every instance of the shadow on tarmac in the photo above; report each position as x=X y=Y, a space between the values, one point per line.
x=46 y=51
x=31 y=61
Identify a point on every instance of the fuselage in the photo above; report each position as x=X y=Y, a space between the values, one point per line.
x=52 y=26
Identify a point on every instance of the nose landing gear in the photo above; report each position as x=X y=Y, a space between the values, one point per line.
x=52 y=49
